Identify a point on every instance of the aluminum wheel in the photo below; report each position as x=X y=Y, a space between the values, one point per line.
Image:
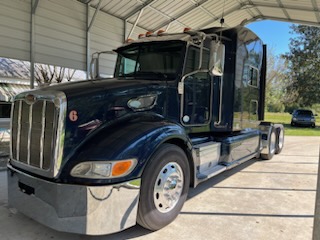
x=168 y=187
x=273 y=142
x=281 y=139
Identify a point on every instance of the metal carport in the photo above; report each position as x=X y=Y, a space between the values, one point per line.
x=67 y=32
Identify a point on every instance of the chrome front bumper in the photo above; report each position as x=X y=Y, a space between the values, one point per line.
x=92 y=210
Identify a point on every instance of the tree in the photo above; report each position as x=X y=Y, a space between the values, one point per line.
x=276 y=82
x=46 y=74
x=304 y=58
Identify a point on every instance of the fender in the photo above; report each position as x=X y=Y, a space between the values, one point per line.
x=139 y=137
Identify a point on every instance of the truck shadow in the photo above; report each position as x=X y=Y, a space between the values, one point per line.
x=138 y=231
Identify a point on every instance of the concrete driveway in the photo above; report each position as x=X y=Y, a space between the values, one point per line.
x=258 y=200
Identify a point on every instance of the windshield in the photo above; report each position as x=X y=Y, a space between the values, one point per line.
x=153 y=61
x=304 y=113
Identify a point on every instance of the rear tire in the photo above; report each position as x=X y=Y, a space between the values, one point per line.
x=271 y=146
x=279 y=139
x=164 y=187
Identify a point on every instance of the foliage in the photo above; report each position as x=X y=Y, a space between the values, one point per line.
x=47 y=74
x=304 y=58
x=276 y=82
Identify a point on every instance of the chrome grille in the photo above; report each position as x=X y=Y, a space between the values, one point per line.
x=36 y=127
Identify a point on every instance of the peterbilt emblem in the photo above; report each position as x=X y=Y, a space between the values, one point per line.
x=30 y=99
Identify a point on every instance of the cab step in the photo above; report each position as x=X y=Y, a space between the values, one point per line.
x=211 y=172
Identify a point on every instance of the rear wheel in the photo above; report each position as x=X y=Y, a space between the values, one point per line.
x=164 y=187
x=279 y=139
x=271 y=146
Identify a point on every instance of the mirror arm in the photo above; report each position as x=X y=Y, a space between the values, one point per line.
x=218 y=123
x=203 y=35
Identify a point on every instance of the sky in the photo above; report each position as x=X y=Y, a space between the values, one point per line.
x=273 y=33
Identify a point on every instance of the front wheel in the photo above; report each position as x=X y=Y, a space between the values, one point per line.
x=164 y=187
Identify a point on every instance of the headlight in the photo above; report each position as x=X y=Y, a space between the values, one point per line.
x=313 y=119
x=105 y=169
x=294 y=119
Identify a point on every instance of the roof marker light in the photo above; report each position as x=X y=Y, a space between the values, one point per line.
x=187 y=29
x=141 y=35
x=149 y=34
x=160 y=32
x=129 y=40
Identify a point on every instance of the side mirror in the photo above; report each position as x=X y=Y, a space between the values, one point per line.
x=217 y=58
x=94 y=66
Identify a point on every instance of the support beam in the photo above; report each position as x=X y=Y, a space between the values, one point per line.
x=88 y=46
x=248 y=10
x=135 y=24
x=316 y=10
x=125 y=25
x=34 y=5
x=316 y=222
x=298 y=21
x=283 y=9
x=94 y=15
x=226 y=13
x=88 y=34
x=197 y=5
x=275 y=6
x=138 y=9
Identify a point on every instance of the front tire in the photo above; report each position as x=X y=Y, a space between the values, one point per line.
x=164 y=187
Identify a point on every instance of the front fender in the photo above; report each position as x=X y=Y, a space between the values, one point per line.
x=138 y=138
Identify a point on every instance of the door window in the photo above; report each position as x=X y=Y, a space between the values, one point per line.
x=197 y=99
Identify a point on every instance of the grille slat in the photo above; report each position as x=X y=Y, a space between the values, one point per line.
x=34 y=133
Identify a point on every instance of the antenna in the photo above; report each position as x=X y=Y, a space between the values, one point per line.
x=222 y=18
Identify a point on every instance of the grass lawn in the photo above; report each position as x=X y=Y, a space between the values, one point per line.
x=285 y=119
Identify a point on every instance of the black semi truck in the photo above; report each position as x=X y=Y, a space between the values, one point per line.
x=98 y=156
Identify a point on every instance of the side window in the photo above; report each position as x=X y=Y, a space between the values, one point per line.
x=128 y=65
x=197 y=99
x=253 y=76
x=192 y=62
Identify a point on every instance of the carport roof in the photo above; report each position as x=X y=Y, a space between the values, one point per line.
x=175 y=15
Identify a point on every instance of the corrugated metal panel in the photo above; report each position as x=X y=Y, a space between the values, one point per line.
x=275 y=12
x=305 y=16
x=60 y=36
x=106 y=35
x=15 y=29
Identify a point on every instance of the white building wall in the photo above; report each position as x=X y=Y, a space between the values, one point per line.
x=60 y=33
x=15 y=29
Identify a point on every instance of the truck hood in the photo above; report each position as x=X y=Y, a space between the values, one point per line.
x=93 y=104
x=90 y=87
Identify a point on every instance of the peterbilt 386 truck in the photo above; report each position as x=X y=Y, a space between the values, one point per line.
x=98 y=156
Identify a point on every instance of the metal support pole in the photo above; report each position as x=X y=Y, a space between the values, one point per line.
x=316 y=222
x=168 y=26
x=88 y=42
x=34 y=5
x=95 y=15
x=135 y=23
x=125 y=23
x=88 y=39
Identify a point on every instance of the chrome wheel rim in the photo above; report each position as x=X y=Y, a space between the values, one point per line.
x=281 y=138
x=273 y=142
x=168 y=187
